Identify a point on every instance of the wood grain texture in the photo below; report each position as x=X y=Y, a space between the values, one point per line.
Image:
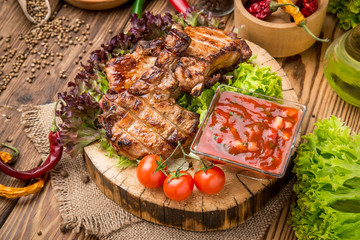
x=240 y=199
x=303 y=70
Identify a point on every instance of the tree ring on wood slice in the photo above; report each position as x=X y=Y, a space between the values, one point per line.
x=239 y=200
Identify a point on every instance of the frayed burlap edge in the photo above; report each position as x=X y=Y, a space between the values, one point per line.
x=35 y=131
x=36 y=121
x=96 y=224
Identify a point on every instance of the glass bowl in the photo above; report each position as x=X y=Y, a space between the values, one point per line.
x=243 y=159
x=218 y=8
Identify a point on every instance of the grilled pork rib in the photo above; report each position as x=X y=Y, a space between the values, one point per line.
x=146 y=116
x=137 y=126
x=160 y=76
x=124 y=70
x=211 y=49
x=141 y=117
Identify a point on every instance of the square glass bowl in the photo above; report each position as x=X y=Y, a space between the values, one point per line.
x=286 y=153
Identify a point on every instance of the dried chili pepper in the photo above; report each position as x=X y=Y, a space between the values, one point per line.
x=10 y=192
x=264 y=8
x=8 y=157
x=56 y=149
x=307 y=7
x=299 y=19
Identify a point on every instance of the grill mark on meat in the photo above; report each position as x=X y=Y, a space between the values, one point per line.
x=153 y=119
x=180 y=133
x=116 y=136
x=210 y=50
x=215 y=37
x=140 y=131
x=177 y=41
x=122 y=71
x=128 y=144
x=208 y=43
x=178 y=115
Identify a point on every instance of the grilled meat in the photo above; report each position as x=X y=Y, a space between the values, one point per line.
x=161 y=75
x=138 y=126
x=210 y=50
x=146 y=114
x=141 y=116
x=124 y=70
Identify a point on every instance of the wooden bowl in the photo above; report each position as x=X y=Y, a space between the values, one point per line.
x=96 y=4
x=279 y=38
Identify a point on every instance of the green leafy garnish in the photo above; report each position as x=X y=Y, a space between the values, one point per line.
x=348 y=12
x=121 y=161
x=247 y=76
x=327 y=168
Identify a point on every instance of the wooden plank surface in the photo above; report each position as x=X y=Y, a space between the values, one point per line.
x=26 y=217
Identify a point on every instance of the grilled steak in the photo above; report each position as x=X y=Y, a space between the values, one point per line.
x=211 y=49
x=161 y=76
x=138 y=126
x=126 y=69
x=146 y=115
x=141 y=116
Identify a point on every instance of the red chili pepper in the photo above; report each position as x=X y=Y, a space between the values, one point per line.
x=262 y=9
x=56 y=149
x=307 y=7
x=180 y=5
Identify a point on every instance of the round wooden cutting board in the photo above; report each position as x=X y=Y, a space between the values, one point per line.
x=241 y=198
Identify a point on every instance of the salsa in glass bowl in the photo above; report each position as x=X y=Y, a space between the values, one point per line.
x=249 y=130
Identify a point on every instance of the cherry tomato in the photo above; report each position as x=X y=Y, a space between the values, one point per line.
x=210 y=181
x=145 y=171
x=178 y=185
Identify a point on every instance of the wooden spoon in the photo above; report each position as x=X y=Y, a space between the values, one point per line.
x=23 y=7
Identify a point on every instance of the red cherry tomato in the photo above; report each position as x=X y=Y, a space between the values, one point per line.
x=178 y=186
x=211 y=181
x=145 y=172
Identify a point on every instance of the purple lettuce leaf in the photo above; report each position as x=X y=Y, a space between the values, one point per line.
x=80 y=126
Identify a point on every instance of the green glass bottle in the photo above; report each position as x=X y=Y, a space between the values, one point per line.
x=342 y=66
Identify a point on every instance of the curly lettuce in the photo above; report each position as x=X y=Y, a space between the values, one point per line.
x=247 y=76
x=196 y=18
x=347 y=11
x=80 y=126
x=327 y=167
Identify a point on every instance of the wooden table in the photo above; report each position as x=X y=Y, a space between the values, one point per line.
x=37 y=216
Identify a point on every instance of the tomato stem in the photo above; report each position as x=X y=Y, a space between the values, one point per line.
x=54 y=127
x=193 y=156
x=160 y=165
x=173 y=152
x=13 y=155
x=176 y=174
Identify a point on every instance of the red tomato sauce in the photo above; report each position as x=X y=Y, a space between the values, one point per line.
x=250 y=131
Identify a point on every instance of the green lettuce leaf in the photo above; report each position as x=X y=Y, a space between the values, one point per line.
x=348 y=12
x=327 y=167
x=247 y=76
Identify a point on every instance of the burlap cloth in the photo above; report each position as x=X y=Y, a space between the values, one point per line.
x=85 y=206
